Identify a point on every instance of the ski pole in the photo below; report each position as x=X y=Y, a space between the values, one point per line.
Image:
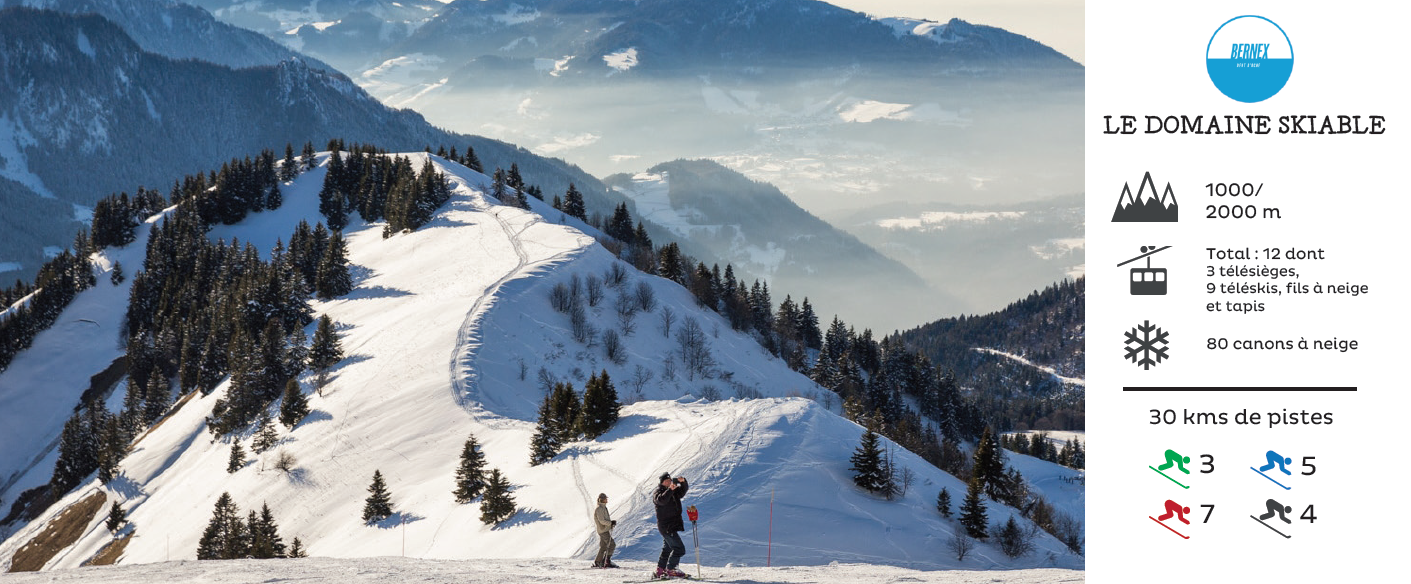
x=693 y=514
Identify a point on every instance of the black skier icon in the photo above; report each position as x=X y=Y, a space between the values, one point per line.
x=1275 y=460
x=1275 y=508
x=1147 y=281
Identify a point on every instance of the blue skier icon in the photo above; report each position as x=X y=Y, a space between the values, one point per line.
x=1274 y=459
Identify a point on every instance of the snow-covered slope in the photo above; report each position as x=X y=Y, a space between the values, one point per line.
x=433 y=332
x=385 y=569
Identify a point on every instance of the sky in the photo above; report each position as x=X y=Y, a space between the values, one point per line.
x=1056 y=23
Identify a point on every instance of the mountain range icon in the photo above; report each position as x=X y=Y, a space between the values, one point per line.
x=1146 y=206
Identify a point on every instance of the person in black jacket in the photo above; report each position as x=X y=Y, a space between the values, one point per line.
x=668 y=503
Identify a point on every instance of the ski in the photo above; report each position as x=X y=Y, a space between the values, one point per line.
x=1158 y=522
x=1261 y=522
x=1261 y=473
x=1168 y=477
x=688 y=577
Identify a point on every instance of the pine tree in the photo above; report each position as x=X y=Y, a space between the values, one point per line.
x=227 y=536
x=472 y=161
x=972 y=509
x=116 y=278
x=989 y=467
x=333 y=279
x=265 y=542
x=112 y=447
x=157 y=398
x=567 y=411
x=306 y=155
x=116 y=517
x=378 y=505
x=274 y=199
x=237 y=458
x=943 y=503
x=296 y=549
x=573 y=203
x=326 y=351
x=265 y=435
x=78 y=452
x=545 y=444
x=600 y=406
x=867 y=464
x=470 y=475
x=289 y=169
x=294 y=406
x=498 y=504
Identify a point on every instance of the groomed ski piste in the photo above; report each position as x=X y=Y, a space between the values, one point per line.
x=446 y=334
x=384 y=569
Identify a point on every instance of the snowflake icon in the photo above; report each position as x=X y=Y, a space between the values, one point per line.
x=1150 y=345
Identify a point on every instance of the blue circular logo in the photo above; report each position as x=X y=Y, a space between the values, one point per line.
x=1249 y=58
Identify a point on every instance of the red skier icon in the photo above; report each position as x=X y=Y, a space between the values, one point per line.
x=1173 y=509
x=1173 y=458
x=1274 y=459
x=1275 y=508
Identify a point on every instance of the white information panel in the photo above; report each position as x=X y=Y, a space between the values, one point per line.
x=1247 y=231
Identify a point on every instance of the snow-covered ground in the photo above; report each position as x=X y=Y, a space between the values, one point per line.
x=395 y=569
x=435 y=332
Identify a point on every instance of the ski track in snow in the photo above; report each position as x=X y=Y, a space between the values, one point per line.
x=463 y=373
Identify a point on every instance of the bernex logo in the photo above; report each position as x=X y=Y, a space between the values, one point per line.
x=1249 y=58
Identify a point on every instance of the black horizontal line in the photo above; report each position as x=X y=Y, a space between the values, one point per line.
x=1231 y=388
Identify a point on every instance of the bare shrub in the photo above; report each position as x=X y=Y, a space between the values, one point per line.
x=285 y=462
x=616 y=276
x=961 y=545
x=668 y=317
x=612 y=346
x=595 y=290
x=626 y=308
x=646 y=297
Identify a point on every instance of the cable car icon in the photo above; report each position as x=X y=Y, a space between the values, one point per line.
x=1147 y=281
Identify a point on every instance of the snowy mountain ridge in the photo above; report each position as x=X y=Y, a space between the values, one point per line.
x=449 y=331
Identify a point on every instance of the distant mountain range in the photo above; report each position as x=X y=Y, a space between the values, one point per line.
x=178 y=30
x=1004 y=251
x=720 y=213
x=84 y=88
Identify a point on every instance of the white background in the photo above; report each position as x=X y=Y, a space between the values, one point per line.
x=1344 y=194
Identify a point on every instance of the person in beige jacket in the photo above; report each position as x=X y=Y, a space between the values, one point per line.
x=604 y=522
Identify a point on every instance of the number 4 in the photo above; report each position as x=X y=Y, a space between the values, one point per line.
x=1308 y=514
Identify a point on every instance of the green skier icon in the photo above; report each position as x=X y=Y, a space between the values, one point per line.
x=1175 y=459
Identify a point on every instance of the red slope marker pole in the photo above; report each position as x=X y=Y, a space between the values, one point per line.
x=693 y=514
